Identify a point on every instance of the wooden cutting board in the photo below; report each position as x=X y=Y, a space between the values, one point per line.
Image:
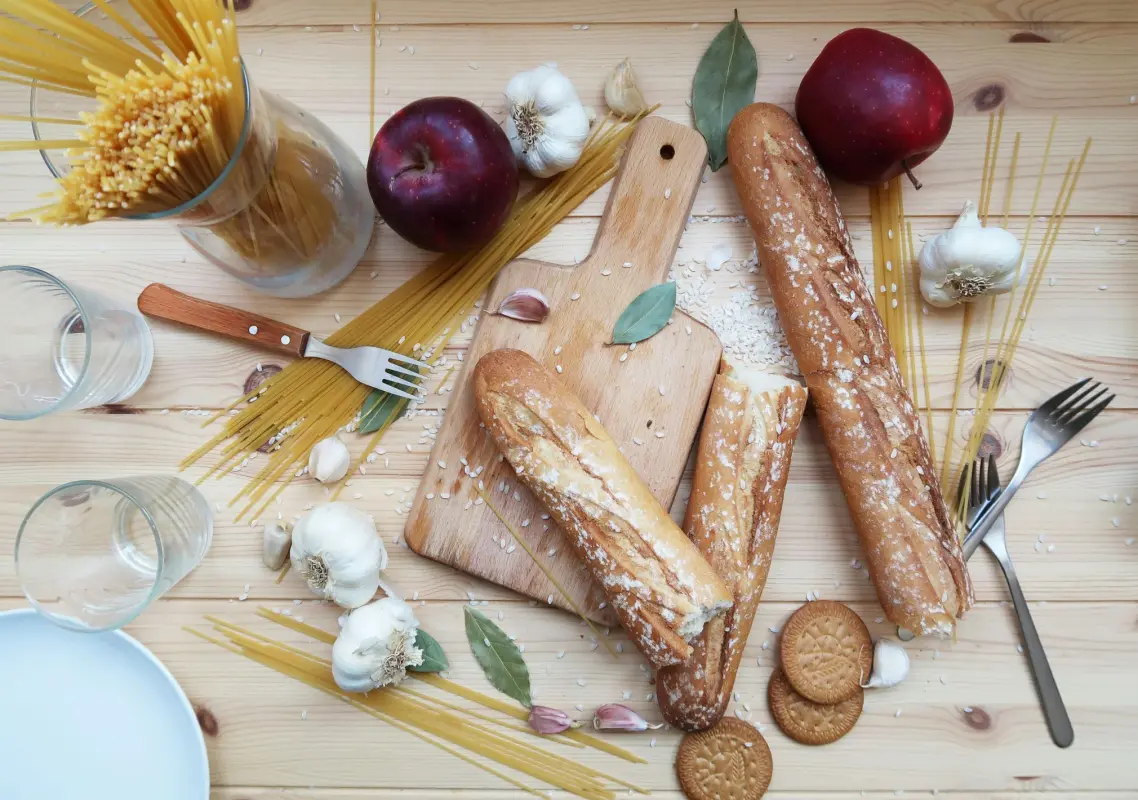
x=651 y=402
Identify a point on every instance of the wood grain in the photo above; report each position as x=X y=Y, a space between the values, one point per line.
x=161 y=302
x=192 y=370
x=966 y=703
x=316 y=54
x=816 y=542
x=708 y=14
x=1089 y=85
x=650 y=399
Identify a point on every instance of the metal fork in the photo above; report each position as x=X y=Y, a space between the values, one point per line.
x=985 y=486
x=385 y=370
x=1048 y=428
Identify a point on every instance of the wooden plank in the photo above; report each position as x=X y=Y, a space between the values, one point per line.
x=196 y=370
x=262 y=793
x=712 y=14
x=263 y=740
x=634 y=250
x=816 y=544
x=1090 y=84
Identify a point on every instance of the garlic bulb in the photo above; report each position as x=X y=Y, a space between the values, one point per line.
x=890 y=665
x=968 y=261
x=276 y=544
x=622 y=94
x=337 y=550
x=547 y=125
x=329 y=460
x=375 y=646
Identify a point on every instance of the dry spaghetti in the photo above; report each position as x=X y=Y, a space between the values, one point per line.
x=167 y=125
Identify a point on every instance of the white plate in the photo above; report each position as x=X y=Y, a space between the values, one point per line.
x=92 y=716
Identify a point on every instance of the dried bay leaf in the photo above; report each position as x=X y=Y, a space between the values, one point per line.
x=434 y=659
x=499 y=658
x=724 y=83
x=646 y=315
x=380 y=410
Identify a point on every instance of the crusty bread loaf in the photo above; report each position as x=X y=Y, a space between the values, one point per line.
x=866 y=415
x=661 y=587
x=741 y=468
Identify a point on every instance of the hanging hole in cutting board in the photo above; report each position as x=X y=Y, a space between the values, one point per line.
x=667 y=152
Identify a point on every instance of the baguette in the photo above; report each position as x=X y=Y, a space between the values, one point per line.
x=740 y=475
x=866 y=415
x=660 y=586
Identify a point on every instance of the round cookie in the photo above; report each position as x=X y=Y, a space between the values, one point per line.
x=826 y=651
x=807 y=722
x=729 y=761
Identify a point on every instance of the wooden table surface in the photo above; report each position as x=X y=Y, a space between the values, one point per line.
x=966 y=723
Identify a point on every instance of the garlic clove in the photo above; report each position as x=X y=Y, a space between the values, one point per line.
x=615 y=717
x=329 y=460
x=527 y=305
x=890 y=665
x=546 y=720
x=275 y=546
x=622 y=92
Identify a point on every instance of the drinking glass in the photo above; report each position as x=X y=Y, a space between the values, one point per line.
x=92 y=554
x=64 y=347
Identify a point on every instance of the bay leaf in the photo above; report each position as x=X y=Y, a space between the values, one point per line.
x=724 y=83
x=380 y=410
x=646 y=315
x=499 y=658
x=434 y=659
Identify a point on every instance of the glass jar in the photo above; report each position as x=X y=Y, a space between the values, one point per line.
x=290 y=215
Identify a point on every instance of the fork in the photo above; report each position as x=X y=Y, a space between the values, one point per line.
x=381 y=369
x=1048 y=428
x=985 y=485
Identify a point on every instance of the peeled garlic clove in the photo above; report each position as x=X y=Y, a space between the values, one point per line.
x=276 y=545
x=615 y=717
x=527 y=305
x=329 y=460
x=622 y=93
x=890 y=665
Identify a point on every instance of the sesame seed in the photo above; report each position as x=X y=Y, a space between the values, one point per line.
x=559 y=369
x=557 y=350
x=623 y=357
x=580 y=681
x=606 y=272
x=575 y=296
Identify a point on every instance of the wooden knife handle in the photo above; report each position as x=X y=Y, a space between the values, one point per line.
x=159 y=300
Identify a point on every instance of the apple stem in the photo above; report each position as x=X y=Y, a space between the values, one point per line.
x=916 y=183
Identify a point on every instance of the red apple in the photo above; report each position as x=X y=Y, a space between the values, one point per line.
x=442 y=174
x=873 y=106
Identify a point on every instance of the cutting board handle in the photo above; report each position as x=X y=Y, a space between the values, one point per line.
x=663 y=162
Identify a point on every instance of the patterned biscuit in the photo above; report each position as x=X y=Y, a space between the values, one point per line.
x=826 y=651
x=808 y=722
x=729 y=761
